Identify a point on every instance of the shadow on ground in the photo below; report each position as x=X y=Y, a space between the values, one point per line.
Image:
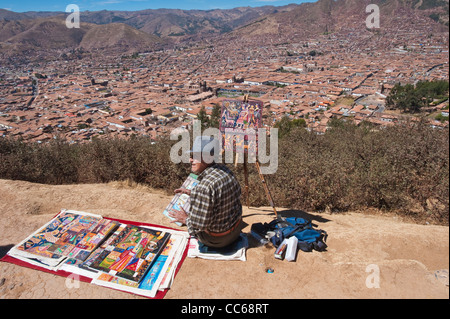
x=290 y=213
x=4 y=250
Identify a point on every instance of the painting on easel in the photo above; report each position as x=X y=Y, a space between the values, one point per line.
x=237 y=118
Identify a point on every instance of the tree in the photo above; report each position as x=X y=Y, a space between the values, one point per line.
x=405 y=98
x=410 y=98
x=215 y=116
x=285 y=125
x=433 y=89
x=203 y=117
x=213 y=120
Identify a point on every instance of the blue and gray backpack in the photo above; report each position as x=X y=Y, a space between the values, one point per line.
x=308 y=237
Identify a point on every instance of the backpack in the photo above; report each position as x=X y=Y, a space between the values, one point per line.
x=308 y=237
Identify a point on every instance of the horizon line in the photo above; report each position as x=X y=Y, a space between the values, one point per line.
x=162 y=8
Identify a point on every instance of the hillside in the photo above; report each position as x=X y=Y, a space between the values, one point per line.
x=50 y=34
x=413 y=259
x=171 y=23
x=328 y=16
x=45 y=30
x=118 y=35
x=400 y=169
x=45 y=33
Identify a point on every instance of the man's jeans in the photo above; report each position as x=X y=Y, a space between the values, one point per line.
x=219 y=242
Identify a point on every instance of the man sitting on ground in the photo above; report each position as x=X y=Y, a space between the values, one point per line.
x=216 y=212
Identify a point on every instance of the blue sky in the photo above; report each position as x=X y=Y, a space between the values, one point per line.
x=132 y=5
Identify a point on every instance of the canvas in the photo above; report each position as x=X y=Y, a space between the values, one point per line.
x=182 y=200
x=237 y=117
x=92 y=240
x=94 y=256
x=131 y=253
x=161 y=271
x=70 y=235
x=160 y=251
x=160 y=274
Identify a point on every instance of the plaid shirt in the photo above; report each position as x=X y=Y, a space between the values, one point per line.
x=215 y=201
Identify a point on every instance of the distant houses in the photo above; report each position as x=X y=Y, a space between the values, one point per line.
x=102 y=96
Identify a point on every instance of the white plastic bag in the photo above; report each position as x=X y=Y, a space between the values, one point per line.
x=291 y=250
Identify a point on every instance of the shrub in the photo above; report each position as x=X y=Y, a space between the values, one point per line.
x=404 y=168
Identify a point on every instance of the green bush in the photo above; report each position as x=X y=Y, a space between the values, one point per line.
x=404 y=168
x=410 y=98
x=99 y=161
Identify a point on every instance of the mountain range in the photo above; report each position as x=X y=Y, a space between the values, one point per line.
x=146 y=30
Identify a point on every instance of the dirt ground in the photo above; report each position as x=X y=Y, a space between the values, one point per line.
x=368 y=256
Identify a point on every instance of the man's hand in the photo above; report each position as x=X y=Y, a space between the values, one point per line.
x=178 y=216
x=183 y=191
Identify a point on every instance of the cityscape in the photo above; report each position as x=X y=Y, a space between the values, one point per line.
x=340 y=74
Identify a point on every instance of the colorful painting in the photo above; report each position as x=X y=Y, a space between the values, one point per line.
x=182 y=200
x=153 y=273
x=94 y=256
x=164 y=261
x=117 y=280
x=131 y=253
x=237 y=119
x=68 y=235
x=111 y=253
x=159 y=275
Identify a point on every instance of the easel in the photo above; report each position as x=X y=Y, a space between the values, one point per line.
x=261 y=176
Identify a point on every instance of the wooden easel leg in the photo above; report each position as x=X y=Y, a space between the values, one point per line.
x=247 y=195
x=266 y=189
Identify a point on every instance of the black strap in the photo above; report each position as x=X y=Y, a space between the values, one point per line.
x=296 y=229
